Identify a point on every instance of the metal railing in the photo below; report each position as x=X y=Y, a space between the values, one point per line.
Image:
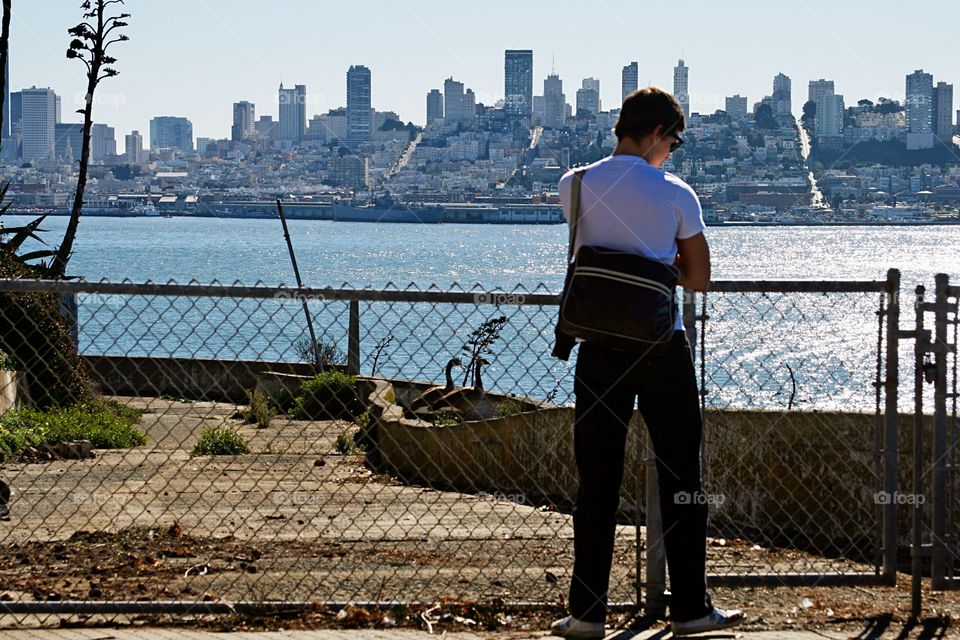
x=440 y=503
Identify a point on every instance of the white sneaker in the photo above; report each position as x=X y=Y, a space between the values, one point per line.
x=570 y=627
x=713 y=621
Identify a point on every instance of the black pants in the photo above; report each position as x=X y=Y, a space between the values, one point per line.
x=608 y=385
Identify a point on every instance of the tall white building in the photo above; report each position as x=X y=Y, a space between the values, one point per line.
x=736 y=107
x=919 y=102
x=818 y=88
x=133 y=147
x=631 y=80
x=919 y=108
x=359 y=106
x=38 y=123
x=943 y=111
x=554 y=102
x=830 y=111
x=782 y=95
x=681 y=87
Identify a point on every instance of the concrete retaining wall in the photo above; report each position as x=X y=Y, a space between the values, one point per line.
x=217 y=380
x=790 y=476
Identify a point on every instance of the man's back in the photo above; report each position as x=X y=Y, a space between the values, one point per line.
x=628 y=205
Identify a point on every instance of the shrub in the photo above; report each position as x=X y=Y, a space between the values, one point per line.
x=259 y=411
x=220 y=441
x=329 y=354
x=331 y=395
x=106 y=424
x=38 y=337
x=8 y=362
x=346 y=443
x=510 y=408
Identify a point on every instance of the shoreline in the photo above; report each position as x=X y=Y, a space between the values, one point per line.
x=731 y=225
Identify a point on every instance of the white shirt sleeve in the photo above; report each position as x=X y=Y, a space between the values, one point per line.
x=689 y=214
x=566 y=186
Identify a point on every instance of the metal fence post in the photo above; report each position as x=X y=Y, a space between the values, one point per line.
x=938 y=504
x=70 y=311
x=916 y=534
x=892 y=427
x=353 y=339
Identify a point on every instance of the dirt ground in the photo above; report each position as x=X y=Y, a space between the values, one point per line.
x=296 y=521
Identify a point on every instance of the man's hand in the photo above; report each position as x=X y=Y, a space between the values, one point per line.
x=693 y=260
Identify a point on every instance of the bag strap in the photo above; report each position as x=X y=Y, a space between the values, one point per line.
x=575 y=210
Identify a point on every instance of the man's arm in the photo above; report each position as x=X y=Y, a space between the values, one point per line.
x=693 y=260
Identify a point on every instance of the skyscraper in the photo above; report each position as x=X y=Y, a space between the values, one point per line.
x=434 y=106
x=736 y=106
x=170 y=132
x=819 y=88
x=919 y=108
x=358 y=104
x=469 y=107
x=782 y=95
x=829 y=116
x=518 y=82
x=68 y=141
x=681 y=87
x=554 y=102
x=244 y=116
x=454 y=101
x=133 y=147
x=16 y=112
x=293 y=113
x=588 y=98
x=631 y=80
x=38 y=123
x=267 y=128
x=943 y=111
x=103 y=142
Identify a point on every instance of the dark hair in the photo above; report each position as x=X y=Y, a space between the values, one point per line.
x=645 y=110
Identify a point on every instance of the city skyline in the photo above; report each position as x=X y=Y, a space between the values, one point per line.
x=163 y=38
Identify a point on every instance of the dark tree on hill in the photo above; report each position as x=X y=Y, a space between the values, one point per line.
x=764 y=117
x=91 y=40
x=890 y=106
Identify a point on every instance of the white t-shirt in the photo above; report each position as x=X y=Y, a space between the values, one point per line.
x=628 y=205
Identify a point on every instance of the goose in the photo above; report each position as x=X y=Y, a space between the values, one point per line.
x=430 y=397
x=471 y=401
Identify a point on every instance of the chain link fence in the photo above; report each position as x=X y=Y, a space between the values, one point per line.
x=199 y=452
x=793 y=380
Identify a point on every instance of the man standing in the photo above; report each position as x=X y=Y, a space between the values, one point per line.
x=628 y=203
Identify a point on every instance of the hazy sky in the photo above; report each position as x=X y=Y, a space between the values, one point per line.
x=194 y=58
